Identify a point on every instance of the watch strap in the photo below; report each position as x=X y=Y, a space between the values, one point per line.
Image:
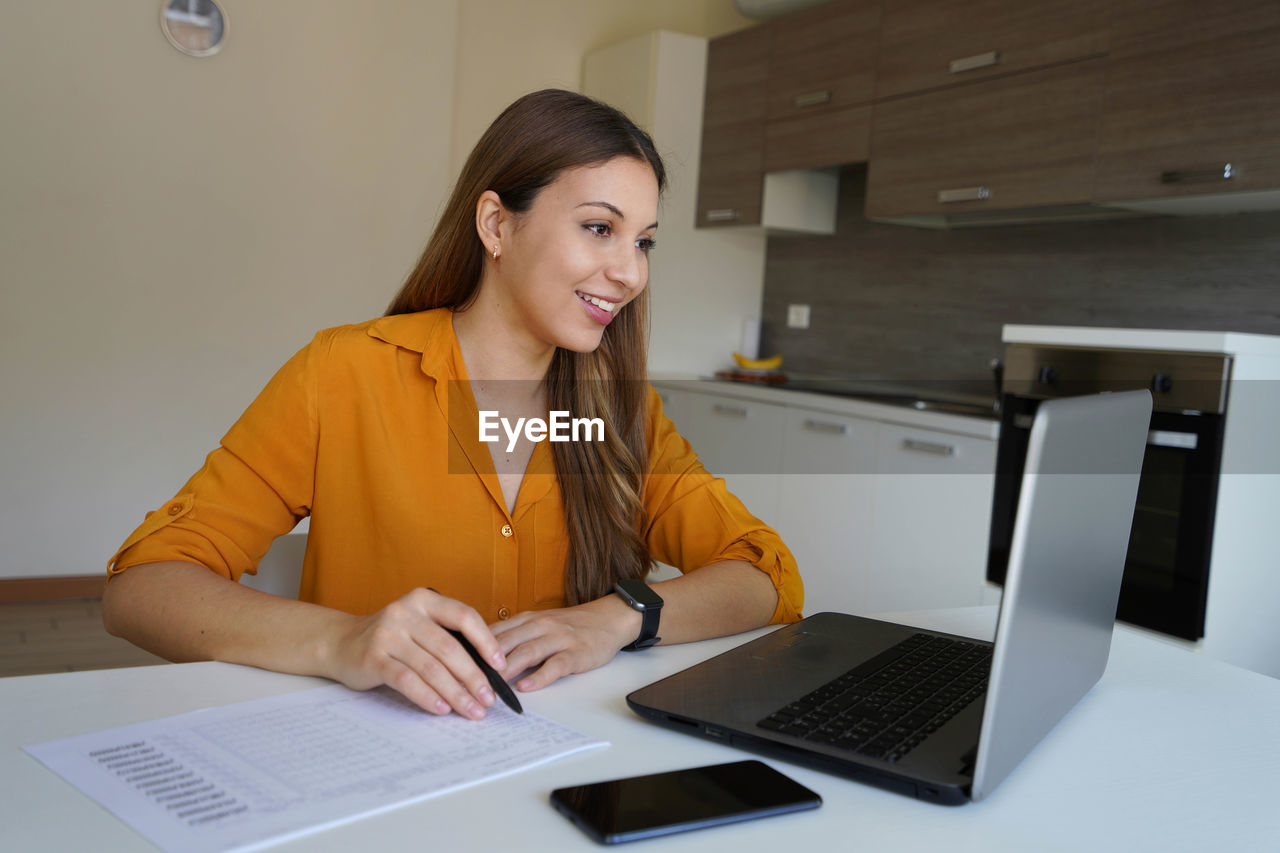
x=648 y=631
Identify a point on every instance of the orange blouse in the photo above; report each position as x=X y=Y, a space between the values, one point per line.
x=355 y=432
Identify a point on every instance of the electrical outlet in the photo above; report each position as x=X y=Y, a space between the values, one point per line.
x=797 y=316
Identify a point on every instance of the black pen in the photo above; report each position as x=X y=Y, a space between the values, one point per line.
x=499 y=686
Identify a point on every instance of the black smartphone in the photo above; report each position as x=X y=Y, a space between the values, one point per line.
x=663 y=803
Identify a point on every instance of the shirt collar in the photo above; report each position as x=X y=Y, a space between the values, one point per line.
x=431 y=333
x=426 y=332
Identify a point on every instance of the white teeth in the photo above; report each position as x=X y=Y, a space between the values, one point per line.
x=607 y=306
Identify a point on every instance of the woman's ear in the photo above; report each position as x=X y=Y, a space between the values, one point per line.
x=490 y=215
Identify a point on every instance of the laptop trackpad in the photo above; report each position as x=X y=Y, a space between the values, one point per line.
x=800 y=648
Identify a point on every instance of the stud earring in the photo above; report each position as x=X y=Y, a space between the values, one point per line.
x=495 y=253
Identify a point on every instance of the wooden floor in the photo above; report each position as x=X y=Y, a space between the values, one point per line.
x=61 y=636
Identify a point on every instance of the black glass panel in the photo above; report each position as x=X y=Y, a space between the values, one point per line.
x=1167 y=569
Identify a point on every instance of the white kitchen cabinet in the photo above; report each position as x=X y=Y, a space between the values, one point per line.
x=676 y=404
x=737 y=439
x=931 y=520
x=884 y=508
x=827 y=496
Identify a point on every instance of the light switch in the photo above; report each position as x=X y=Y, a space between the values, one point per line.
x=797 y=316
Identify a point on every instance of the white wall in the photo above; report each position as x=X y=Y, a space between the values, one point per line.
x=703 y=283
x=172 y=229
x=506 y=48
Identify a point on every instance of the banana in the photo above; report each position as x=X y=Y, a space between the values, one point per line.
x=758 y=363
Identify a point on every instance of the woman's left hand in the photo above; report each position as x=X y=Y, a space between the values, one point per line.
x=562 y=642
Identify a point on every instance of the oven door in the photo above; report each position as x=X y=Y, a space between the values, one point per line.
x=1166 y=575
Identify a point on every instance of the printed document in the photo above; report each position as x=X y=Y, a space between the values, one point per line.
x=246 y=775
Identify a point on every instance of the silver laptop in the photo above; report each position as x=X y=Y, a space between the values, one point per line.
x=929 y=714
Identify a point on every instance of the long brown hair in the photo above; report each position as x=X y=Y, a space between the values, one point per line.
x=526 y=148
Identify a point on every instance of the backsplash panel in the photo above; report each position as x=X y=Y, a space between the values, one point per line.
x=922 y=306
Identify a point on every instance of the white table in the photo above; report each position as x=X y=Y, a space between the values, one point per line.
x=1171 y=751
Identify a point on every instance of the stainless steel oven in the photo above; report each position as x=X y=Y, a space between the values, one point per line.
x=1166 y=575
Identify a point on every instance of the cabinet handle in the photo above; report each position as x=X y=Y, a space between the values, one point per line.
x=980 y=60
x=964 y=194
x=722 y=214
x=813 y=99
x=829 y=427
x=1225 y=172
x=729 y=411
x=928 y=447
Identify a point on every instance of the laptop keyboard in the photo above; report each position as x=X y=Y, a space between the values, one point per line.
x=885 y=707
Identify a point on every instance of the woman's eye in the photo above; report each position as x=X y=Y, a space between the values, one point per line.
x=646 y=244
x=600 y=229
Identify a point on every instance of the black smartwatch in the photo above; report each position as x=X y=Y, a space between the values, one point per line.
x=639 y=596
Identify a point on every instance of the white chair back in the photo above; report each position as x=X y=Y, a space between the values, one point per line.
x=280 y=571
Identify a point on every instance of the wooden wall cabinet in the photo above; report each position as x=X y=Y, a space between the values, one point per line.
x=986 y=110
x=1016 y=142
x=730 y=175
x=998 y=111
x=791 y=94
x=822 y=67
x=930 y=44
x=818 y=139
x=1190 y=91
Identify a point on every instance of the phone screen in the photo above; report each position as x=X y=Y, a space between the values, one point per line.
x=663 y=803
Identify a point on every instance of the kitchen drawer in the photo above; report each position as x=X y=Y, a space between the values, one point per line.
x=817 y=443
x=909 y=451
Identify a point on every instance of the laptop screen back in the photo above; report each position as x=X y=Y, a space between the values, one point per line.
x=1067 y=557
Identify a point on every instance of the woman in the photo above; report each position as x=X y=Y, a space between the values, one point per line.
x=529 y=299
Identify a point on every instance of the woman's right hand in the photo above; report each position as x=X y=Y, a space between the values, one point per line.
x=407 y=647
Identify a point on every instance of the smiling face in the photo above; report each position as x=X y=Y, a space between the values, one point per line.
x=574 y=260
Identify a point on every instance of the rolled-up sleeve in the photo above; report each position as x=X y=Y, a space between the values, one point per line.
x=692 y=520
x=254 y=487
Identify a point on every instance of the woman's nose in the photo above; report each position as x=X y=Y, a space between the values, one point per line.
x=628 y=268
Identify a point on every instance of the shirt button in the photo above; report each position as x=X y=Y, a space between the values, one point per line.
x=507 y=531
x=504 y=613
x=174 y=509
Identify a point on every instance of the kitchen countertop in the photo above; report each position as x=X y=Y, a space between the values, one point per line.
x=1232 y=343
x=871 y=400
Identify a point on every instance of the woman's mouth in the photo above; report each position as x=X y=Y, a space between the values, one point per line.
x=600 y=310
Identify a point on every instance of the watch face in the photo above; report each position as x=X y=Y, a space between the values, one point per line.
x=640 y=593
